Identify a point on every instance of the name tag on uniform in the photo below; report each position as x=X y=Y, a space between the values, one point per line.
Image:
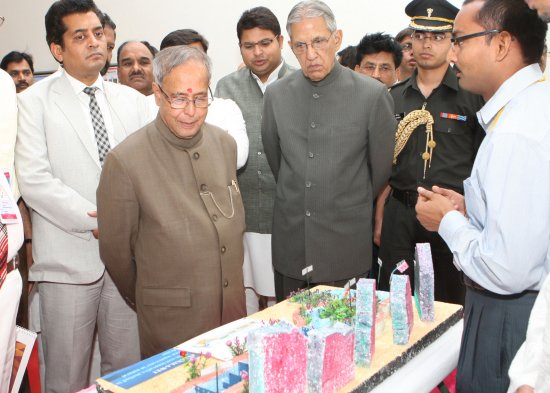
x=8 y=209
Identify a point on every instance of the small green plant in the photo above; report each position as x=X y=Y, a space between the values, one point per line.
x=310 y=298
x=341 y=310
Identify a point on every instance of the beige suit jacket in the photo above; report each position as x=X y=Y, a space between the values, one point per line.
x=58 y=171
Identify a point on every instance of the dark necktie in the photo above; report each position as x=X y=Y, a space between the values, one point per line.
x=100 y=131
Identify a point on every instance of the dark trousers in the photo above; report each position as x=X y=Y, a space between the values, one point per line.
x=285 y=285
x=494 y=328
x=400 y=232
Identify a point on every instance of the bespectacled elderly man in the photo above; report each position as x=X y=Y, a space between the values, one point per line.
x=170 y=212
x=328 y=133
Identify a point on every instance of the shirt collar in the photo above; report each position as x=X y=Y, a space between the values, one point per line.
x=507 y=91
x=78 y=86
x=449 y=79
x=271 y=78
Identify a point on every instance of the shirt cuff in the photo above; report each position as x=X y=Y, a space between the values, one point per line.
x=450 y=224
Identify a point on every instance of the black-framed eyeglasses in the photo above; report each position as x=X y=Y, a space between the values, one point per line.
x=181 y=102
x=423 y=36
x=317 y=44
x=263 y=44
x=458 y=41
x=2 y=19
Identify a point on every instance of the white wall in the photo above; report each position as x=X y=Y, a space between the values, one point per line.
x=148 y=20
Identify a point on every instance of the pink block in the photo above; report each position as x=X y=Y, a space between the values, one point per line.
x=338 y=366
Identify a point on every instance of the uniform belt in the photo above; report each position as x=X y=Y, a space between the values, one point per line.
x=408 y=198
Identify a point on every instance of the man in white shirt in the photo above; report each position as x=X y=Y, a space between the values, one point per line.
x=502 y=244
x=67 y=125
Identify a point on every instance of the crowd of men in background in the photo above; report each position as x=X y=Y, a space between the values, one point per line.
x=161 y=209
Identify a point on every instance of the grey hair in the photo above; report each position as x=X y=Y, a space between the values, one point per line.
x=169 y=58
x=311 y=9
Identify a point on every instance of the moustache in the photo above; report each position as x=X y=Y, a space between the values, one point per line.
x=138 y=72
x=22 y=85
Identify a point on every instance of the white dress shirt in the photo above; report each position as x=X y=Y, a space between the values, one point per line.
x=84 y=100
x=270 y=79
x=227 y=115
x=503 y=245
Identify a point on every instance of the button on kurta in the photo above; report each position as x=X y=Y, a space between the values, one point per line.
x=215 y=217
x=223 y=249
x=196 y=155
x=313 y=125
x=204 y=187
x=315 y=95
x=308 y=213
x=308 y=184
x=259 y=153
x=226 y=284
x=310 y=155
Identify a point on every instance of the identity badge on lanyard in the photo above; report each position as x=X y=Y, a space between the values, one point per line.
x=8 y=208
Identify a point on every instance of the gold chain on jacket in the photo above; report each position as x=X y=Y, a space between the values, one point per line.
x=405 y=129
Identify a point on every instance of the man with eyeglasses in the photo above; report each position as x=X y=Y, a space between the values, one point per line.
x=436 y=143
x=260 y=43
x=222 y=112
x=499 y=231
x=408 y=64
x=378 y=56
x=170 y=212
x=328 y=133
x=20 y=67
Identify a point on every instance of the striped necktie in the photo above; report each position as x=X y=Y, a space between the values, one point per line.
x=100 y=131
x=3 y=253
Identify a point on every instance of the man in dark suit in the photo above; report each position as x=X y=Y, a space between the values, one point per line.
x=328 y=134
x=67 y=124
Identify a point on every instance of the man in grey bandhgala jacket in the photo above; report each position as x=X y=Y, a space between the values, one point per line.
x=328 y=134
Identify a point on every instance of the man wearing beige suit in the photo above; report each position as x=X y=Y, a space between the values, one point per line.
x=67 y=123
x=170 y=212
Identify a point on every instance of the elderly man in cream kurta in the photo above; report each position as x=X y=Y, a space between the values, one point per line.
x=170 y=213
